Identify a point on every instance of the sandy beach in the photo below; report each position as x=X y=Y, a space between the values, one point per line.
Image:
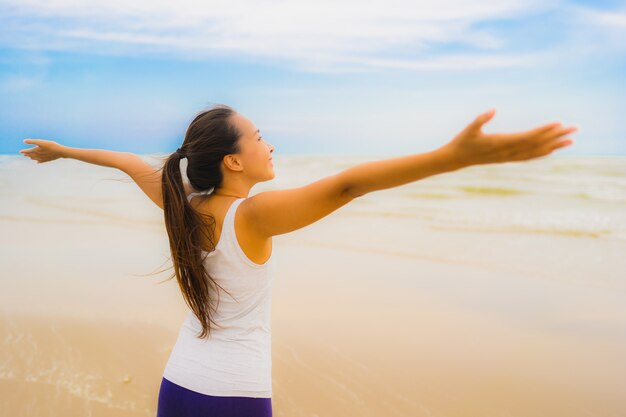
x=495 y=291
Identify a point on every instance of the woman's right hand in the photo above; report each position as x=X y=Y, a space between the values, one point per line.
x=46 y=150
x=474 y=147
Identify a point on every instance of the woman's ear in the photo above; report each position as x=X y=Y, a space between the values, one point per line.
x=232 y=162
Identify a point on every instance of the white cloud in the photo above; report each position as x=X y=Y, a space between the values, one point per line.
x=19 y=82
x=457 y=61
x=603 y=18
x=596 y=32
x=323 y=35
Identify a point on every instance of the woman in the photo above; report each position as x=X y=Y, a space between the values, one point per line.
x=221 y=241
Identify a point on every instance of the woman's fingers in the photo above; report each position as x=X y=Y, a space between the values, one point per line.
x=480 y=120
x=33 y=153
x=517 y=138
x=36 y=142
x=540 y=135
x=550 y=141
x=553 y=139
x=561 y=132
x=44 y=150
x=534 y=143
x=534 y=133
x=29 y=141
x=39 y=142
x=557 y=141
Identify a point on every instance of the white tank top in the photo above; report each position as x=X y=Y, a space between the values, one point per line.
x=236 y=359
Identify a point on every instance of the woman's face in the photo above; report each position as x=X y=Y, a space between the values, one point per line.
x=256 y=153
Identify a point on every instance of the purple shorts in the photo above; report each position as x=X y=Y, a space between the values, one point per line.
x=177 y=401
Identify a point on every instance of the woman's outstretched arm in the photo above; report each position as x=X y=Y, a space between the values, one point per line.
x=146 y=177
x=470 y=147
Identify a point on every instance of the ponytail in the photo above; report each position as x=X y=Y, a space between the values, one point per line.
x=209 y=138
x=184 y=227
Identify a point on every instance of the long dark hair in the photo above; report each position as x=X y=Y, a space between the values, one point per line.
x=210 y=136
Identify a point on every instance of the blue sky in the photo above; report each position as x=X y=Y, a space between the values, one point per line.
x=377 y=78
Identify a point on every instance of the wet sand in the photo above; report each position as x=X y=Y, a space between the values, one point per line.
x=66 y=366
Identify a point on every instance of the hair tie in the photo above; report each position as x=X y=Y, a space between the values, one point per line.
x=180 y=152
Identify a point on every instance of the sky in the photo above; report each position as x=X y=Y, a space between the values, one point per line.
x=318 y=77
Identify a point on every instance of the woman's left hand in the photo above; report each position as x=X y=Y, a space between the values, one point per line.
x=44 y=151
